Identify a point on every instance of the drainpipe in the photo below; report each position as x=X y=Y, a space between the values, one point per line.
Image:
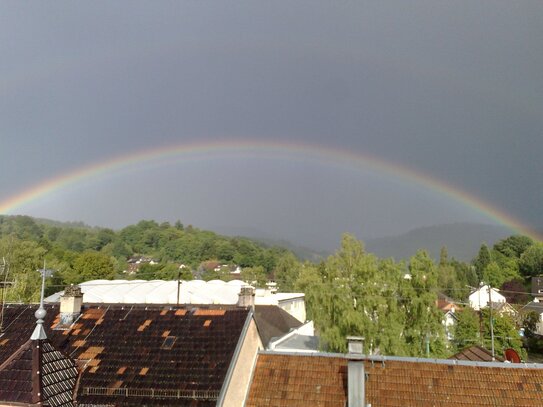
x=355 y=372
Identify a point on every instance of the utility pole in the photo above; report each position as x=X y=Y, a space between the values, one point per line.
x=481 y=334
x=491 y=322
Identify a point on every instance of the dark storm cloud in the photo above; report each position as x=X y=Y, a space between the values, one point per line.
x=451 y=89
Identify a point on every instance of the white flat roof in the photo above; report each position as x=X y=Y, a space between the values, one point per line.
x=165 y=292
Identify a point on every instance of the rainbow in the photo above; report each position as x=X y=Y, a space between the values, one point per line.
x=278 y=150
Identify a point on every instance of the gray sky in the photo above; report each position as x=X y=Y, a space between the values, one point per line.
x=450 y=89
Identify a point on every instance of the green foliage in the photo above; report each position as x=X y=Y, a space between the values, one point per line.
x=90 y=265
x=505 y=334
x=355 y=293
x=513 y=246
x=529 y=322
x=23 y=259
x=531 y=261
x=256 y=276
x=163 y=271
x=452 y=277
x=65 y=244
x=482 y=260
x=286 y=272
x=466 y=330
x=423 y=318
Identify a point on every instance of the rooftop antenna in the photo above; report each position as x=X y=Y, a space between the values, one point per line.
x=39 y=332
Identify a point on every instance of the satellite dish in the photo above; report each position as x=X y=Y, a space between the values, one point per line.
x=512 y=356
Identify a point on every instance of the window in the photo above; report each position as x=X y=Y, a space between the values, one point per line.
x=168 y=342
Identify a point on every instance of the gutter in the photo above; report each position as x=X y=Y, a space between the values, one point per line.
x=234 y=359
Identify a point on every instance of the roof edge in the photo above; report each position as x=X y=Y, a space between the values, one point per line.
x=384 y=359
x=235 y=356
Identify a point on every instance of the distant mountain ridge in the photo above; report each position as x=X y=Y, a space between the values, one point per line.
x=462 y=240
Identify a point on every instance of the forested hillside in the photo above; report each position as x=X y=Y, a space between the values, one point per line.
x=77 y=252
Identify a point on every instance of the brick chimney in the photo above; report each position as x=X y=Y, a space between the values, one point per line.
x=70 y=305
x=355 y=372
x=246 y=296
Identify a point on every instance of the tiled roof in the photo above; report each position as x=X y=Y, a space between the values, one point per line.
x=282 y=380
x=37 y=371
x=134 y=355
x=273 y=322
x=16 y=376
x=58 y=375
x=476 y=354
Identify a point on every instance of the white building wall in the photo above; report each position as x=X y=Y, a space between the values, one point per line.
x=479 y=298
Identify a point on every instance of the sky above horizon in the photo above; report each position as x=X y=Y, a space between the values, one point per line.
x=447 y=90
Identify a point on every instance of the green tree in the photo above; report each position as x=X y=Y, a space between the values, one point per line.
x=90 y=265
x=513 y=246
x=353 y=293
x=482 y=260
x=255 y=276
x=505 y=334
x=466 y=330
x=531 y=261
x=286 y=272
x=423 y=327
x=23 y=259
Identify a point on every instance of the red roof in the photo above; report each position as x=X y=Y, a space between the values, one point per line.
x=283 y=380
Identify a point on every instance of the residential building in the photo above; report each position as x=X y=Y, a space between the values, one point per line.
x=137 y=354
x=480 y=297
x=537 y=287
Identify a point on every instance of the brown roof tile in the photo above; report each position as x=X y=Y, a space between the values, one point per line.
x=477 y=354
x=296 y=380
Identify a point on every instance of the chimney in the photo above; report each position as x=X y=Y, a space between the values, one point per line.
x=355 y=372
x=70 y=305
x=246 y=296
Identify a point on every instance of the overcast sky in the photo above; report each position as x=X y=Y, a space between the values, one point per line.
x=449 y=89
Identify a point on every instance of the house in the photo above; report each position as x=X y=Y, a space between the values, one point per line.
x=356 y=380
x=537 y=307
x=537 y=287
x=476 y=353
x=134 y=263
x=480 y=297
x=504 y=309
x=449 y=307
x=293 y=303
x=136 y=354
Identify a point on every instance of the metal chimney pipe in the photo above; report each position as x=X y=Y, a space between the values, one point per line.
x=355 y=372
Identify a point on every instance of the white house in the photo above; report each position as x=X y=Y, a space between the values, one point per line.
x=479 y=298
